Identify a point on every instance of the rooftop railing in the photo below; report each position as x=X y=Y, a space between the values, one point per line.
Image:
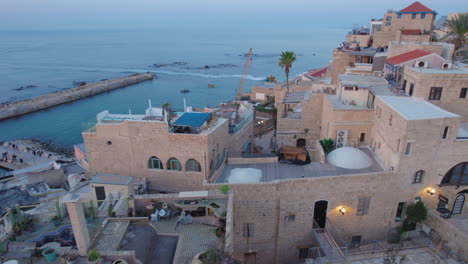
x=233 y=129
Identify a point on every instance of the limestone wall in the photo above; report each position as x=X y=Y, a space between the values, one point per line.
x=396 y=48
x=9 y=110
x=451 y=82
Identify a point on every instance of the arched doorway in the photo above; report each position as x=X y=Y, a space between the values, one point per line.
x=300 y=143
x=458 y=204
x=320 y=214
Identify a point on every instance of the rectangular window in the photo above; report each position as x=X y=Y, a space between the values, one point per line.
x=463 y=92
x=404 y=85
x=418 y=176
x=303 y=253
x=289 y=218
x=362 y=138
x=347 y=88
x=411 y=88
x=444 y=136
x=423 y=15
x=247 y=230
x=399 y=16
x=408 y=149
x=436 y=93
x=363 y=206
x=400 y=212
x=413 y=16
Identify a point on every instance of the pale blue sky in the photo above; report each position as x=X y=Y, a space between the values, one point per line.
x=232 y=14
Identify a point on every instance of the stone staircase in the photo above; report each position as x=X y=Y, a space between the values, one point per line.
x=330 y=249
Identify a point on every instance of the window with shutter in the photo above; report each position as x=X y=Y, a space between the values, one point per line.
x=363 y=206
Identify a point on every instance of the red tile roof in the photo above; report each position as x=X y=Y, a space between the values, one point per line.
x=416 y=7
x=318 y=72
x=414 y=54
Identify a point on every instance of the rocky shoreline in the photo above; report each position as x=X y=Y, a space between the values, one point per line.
x=12 y=109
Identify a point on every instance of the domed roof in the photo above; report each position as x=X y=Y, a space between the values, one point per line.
x=349 y=158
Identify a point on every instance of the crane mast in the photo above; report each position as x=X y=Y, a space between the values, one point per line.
x=244 y=74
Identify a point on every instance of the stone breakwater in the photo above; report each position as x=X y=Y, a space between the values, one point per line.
x=12 y=109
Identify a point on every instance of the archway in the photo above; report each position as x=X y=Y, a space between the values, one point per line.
x=300 y=143
x=320 y=214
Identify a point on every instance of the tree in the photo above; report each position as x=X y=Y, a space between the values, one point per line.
x=285 y=62
x=416 y=212
x=457 y=29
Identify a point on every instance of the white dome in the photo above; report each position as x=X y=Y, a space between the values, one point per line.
x=349 y=158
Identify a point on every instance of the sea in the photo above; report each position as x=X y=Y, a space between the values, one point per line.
x=34 y=63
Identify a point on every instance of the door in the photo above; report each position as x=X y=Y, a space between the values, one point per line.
x=250 y=258
x=320 y=214
x=100 y=194
x=411 y=88
x=458 y=204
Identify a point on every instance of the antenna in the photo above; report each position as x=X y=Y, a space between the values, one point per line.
x=149 y=103
x=130 y=112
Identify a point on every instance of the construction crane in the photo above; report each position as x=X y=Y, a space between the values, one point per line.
x=244 y=73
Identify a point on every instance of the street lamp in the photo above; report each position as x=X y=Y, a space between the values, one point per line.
x=260 y=123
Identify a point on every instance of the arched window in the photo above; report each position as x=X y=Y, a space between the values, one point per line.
x=155 y=163
x=389 y=18
x=458 y=175
x=417 y=178
x=192 y=165
x=173 y=164
x=458 y=204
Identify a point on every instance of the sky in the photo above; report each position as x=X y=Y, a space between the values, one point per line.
x=216 y=14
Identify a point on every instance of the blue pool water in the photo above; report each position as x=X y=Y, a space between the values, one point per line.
x=38 y=62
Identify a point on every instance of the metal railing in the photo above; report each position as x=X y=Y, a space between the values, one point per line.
x=238 y=127
x=331 y=249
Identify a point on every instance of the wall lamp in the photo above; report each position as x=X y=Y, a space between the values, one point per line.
x=342 y=210
x=431 y=191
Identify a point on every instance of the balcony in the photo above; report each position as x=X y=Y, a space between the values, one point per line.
x=292 y=115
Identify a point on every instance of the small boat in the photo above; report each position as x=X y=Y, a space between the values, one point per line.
x=210 y=85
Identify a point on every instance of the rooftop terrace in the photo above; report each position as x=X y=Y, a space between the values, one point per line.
x=415 y=109
x=278 y=171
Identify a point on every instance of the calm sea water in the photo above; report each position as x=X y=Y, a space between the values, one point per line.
x=38 y=62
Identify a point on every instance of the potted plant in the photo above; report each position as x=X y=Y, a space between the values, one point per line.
x=93 y=256
x=56 y=220
x=224 y=189
x=210 y=256
x=402 y=232
x=72 y=258
x=110 y=212
x=28 y=225
x=50 y=254
x=17 y=229
x=416 y=213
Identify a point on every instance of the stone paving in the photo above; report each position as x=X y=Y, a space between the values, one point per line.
x=424 y=257
x=194 y=238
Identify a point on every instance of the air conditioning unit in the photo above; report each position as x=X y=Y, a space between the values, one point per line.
x=446 y=66
x=421 y=64
x=341 y=138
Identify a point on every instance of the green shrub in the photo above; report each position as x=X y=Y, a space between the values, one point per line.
x=417 y=212
x=224 y=189
x=210 y=256
x=328 y=145
x=93 y=255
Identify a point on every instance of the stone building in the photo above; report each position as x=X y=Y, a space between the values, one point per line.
x=173 y=152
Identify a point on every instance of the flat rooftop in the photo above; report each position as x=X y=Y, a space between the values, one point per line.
x=279 y=171
x=296 y=97
x=192 y=119
x=265 y=85
x=103 y=178
x=361 y=80
x=415 y=109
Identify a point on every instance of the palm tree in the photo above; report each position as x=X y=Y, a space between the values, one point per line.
x=457 y=29
x=285 y=62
